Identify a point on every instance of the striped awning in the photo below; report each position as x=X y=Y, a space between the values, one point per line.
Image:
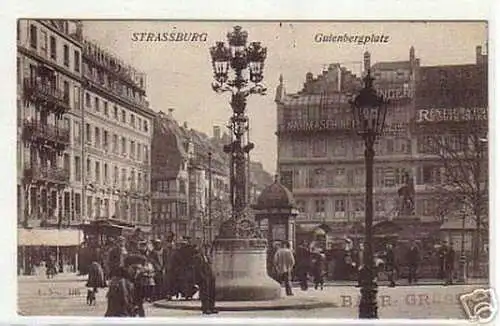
x=49 y=237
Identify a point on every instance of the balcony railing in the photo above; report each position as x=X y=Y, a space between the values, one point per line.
x=43 y=93
x=47 y=174
x=34 y=130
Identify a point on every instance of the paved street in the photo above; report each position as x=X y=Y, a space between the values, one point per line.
x=67 y=297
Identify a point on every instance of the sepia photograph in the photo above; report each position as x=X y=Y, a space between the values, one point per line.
x=226 y=169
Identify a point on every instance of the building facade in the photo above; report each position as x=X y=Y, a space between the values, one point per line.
x=322 y=161
x=49 y=81
x=181 y=177
x=76 y=106
x=117 y=134
x=191 y=179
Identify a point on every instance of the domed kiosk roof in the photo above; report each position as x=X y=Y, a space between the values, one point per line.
x=275 y=195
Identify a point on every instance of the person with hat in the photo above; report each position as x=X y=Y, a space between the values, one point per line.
x=145 y=281
x=116 y=256
x=122 y=296
x=157 y=257
x=206 y=280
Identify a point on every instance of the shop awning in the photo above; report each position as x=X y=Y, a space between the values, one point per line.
x=49 y=237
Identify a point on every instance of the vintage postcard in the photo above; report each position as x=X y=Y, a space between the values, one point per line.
x=308 y=169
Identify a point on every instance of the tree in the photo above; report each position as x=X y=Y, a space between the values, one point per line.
x=459 y=180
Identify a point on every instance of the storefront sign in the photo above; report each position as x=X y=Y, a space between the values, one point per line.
x=396 y=92
x=327 y=125
x=316 y=125
x=452 y=114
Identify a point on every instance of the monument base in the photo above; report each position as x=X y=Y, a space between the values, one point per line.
x=240 y=271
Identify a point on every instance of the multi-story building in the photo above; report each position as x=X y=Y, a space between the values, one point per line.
x=450 y=125
x=49 y=83
x=84 y=139
x=117 y=135
x=180 y=178
x=321 y=159
x=186 y=165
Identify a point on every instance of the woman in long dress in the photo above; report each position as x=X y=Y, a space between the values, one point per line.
x=96 y=279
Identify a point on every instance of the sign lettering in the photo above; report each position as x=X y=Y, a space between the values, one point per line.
x=454 y=114
x=330 y=125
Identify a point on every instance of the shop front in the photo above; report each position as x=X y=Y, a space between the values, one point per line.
x=35 y=246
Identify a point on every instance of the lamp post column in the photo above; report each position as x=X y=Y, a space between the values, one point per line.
x=368 y=304
x=210 y=197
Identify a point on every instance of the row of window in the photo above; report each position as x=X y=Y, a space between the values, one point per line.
x=323 y=147
x=340 y=207
x=110 y=174
x=170 y=211
x=112 y=83
x=47 y=46
x=340 y=177
x=132 y=211
x=102 y=139
x=119 y=115
x=45 y=202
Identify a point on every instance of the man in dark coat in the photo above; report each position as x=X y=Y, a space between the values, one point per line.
x=116 y=256
x=449 y=263
x=441 y=260
x=390 y=264
x=303 y=258
x=206 y=281
x=168 y=266
x=413 y=260
x=122 y=297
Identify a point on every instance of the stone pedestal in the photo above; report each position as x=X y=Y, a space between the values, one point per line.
x=240 y=270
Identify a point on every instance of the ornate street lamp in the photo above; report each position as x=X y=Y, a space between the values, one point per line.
x=247 y=62
x=369 y=111
x=239 y=242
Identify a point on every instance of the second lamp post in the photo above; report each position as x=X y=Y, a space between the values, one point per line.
x=369 y=111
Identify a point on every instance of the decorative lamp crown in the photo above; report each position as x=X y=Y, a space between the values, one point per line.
x=238 y=37
x=369 y=109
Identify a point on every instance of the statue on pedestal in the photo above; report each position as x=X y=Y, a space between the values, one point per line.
x=407 y=196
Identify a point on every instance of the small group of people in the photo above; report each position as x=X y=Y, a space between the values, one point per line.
x=308 y=261
x=137 y=272
x=311 y=262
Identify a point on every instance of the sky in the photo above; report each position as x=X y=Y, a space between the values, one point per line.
x=179 y=74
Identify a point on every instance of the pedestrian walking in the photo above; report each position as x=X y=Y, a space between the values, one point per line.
x=390 y=264
x=318 y=269
x=441 y=253
x=303 y=259
x=449 y=264
x=413 y=260
x=168 y=266
x=121 y=296
x=96 y=279
x=284 y=262
x=145 y=281
x=116 y=255
x=158 y=258
x=206 y=281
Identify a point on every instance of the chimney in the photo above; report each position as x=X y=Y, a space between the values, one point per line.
x=366 y=62
x=185 y=125
x=79 y=30
x=479 y=55
x=171 y=113
x=216 y=132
